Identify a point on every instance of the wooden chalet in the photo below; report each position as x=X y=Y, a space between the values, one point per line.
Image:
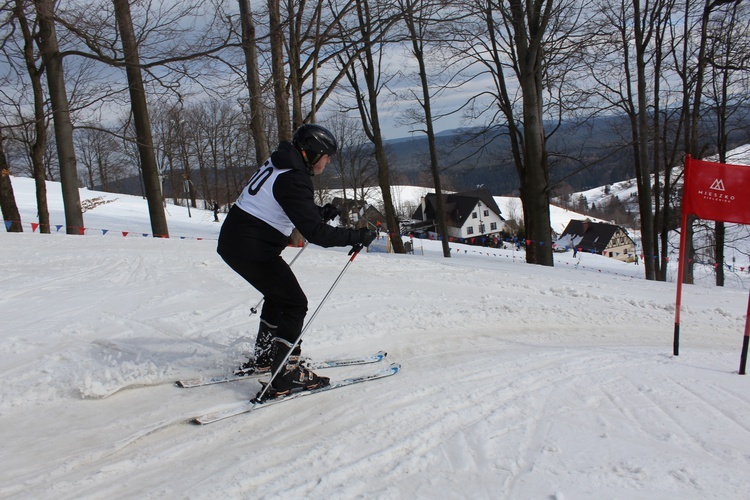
x=601 y=238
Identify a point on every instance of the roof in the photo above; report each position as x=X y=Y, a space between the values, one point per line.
x=593 y=235
x=457 y=206
x=371 y=214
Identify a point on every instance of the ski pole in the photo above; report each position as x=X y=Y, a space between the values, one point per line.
x=354 y=252
x=254 y=310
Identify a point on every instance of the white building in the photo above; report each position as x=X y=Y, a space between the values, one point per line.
x=469 y=214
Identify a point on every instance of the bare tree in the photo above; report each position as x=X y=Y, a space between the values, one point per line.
x=36 y=130
x=643 y=23
x=631 y=65
x=374 y=20
x=11 y=216
x=695 y=26
x=355 y=167
x=280 y=90
x=728 y=56
x=139 y=108
x=232 y=153
x=106 y=33
x=314 y=41
x=255 y=101
x=222 y=132
x=420 y=16
x=528 y=40
x=99 y=152
x=53 y=63
x=662 y=162
x=239 y=165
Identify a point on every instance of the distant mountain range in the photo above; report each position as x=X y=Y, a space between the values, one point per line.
x=581 y=156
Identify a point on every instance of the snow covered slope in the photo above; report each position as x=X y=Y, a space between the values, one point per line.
x=518 y=381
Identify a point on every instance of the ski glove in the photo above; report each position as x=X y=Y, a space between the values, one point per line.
x=329 y=211
x=366 y=236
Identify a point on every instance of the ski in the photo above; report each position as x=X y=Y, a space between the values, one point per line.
x=248 y=406
x=313 y=365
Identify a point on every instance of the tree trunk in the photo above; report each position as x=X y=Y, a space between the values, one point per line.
x=11 y=216
x=141 y=121
x=727 y=49
x=294 y=61
x=664 y=229
x=643 y=170
x=40 y=124
x=720 y=236
x=418 y=51
x=281 y=94
x=534 y=192
x=693 y=147
x=58 y=96
x=374 y=133
x=535 y=175
x=689 y=251
x=262 y=149
x=661 y=196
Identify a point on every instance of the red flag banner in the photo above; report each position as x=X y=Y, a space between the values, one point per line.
x=717 y=191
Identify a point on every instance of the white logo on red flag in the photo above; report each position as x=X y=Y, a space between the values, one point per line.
x=726 y=198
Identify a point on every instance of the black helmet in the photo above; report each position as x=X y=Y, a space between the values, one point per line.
x=315 y=141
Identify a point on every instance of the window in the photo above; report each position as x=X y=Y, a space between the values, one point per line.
x=486 y=213
x=470 y=230
x=493 y=226
x=473 y=215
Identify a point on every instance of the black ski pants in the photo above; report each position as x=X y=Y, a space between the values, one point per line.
x=285 y=304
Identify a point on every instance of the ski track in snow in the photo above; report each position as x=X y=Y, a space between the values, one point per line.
x=517 y=381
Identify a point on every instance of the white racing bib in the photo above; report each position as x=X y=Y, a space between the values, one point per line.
x=257 y=199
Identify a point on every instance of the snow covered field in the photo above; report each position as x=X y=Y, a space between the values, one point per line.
x=517 y=381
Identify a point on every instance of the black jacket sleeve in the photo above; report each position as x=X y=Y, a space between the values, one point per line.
x=294 y=192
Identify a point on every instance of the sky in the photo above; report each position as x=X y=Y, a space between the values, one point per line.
x=517 y=381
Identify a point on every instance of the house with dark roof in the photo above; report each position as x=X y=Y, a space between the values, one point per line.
x=468 y=214
x=602 y=238
x=358 y=213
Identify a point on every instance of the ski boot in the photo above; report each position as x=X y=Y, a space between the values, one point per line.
x=260 y=362
x=295 y=377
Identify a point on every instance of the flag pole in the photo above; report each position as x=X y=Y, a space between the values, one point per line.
x=681 y=262
x=678 y=300
x=746 y=340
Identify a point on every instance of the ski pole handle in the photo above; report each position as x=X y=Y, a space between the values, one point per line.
x=356 y=248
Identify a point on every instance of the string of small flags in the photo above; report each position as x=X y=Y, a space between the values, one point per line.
x=528 y=242
x=92 y=231
x=469 y=241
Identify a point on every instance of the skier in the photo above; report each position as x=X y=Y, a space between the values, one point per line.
x=278 y=198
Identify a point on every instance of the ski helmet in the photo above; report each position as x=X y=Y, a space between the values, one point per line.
x=314 y=141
